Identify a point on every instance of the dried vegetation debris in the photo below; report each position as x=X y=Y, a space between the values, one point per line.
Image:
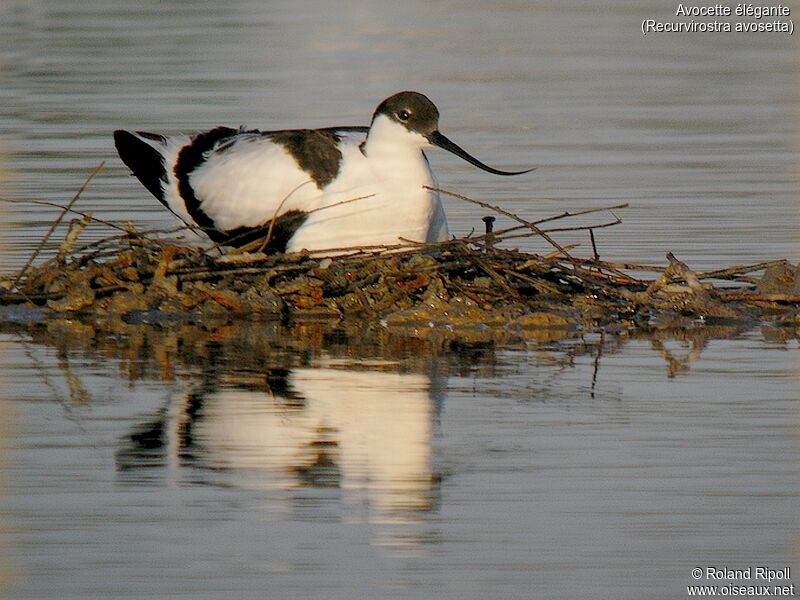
x=453 y=284
x=463 y=283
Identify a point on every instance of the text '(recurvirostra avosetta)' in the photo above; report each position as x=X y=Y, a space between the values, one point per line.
x=741 y=18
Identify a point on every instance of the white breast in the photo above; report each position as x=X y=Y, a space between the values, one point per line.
x=378 y=197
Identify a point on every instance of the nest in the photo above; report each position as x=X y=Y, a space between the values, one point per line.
x=474 y=281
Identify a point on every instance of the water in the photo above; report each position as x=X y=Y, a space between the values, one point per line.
x=698 y=133
x=252 y=461
x=317 y=462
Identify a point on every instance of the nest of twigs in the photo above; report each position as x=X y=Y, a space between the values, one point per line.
x=472 y=281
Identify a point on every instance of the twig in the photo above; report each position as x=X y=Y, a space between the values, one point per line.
x=541 y=286
x=738 y=270
x=68 y=209
x=268 y=237
x=260 y=244
x=564 y=215
x=730 y=295
x=494 y=275
x=126 y=237
x=567 y=213
x=502 y=238
x=56 y=222
x=510 y=215
x=76 y=227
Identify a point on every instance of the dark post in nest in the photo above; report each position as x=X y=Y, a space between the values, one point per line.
x=489 y=240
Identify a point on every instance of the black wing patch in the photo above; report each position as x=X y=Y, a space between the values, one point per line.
x=285 y=227
x=315 y=150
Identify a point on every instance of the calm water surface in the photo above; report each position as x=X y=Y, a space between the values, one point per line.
x=698 y=133
x=309 y=462
x=254 y=461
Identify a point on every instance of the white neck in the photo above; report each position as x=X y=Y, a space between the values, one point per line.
x=396 y=152
x=389 y=137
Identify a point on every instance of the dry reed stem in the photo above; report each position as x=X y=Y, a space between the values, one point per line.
x=58 y=220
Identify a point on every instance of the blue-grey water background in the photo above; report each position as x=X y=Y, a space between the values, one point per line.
x=583 y=467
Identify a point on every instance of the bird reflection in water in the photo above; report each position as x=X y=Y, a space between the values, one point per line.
x=366 y=432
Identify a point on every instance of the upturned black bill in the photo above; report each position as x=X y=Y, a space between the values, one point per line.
x=437 y=139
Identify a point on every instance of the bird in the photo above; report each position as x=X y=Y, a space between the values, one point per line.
x=304 y=189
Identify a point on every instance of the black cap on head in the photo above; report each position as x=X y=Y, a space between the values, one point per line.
x=412 y=110
x=418 y=114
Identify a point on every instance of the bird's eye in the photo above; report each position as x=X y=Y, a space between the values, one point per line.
x=403 y=115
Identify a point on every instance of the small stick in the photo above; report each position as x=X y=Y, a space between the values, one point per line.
x=510 y=215
x=567 y=213
x=616 y=221
x=111 y=240
x=268 y=237
x=494 y=275
x=67 y=209
x=503 y=238
x=260 y=244
x=738 y=270
x=50 y=231
x=554 y=255
x=76 y=227
x=631 y=266
x=594 y=244
x=563 y=215
x=730 y=295
x=541 y=286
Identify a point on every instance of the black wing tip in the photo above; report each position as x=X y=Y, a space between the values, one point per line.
x=146 y=163
x=121 y=136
